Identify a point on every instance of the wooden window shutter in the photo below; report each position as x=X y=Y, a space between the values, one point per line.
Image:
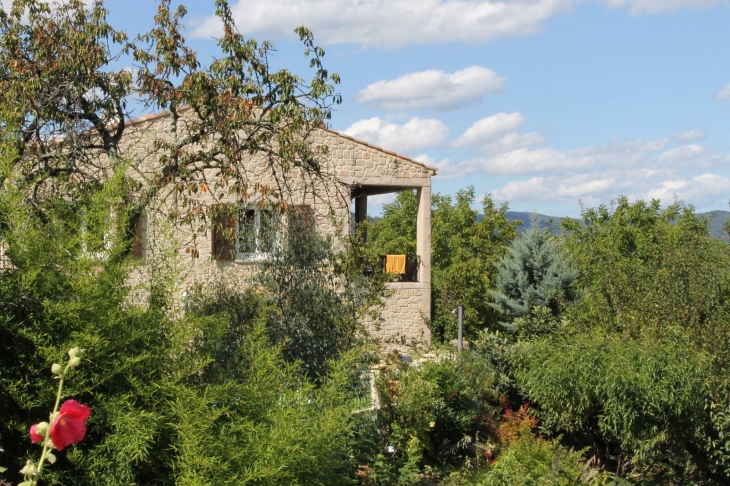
x=224 y=231
x=301 y=218
x=300 y=224
x=130 y=226
x=136 y=223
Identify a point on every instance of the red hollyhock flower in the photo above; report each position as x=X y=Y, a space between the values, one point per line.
x=35 y=437
x=69 y=426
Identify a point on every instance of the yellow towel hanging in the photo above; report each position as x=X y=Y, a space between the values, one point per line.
x=395 y=264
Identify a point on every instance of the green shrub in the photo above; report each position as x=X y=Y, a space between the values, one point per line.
x=434 y=412
x=174 y=399
x=636 y=370
x=530 y=461
x=643 y=400
x=520 y=457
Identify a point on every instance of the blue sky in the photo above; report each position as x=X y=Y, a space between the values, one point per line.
x=541 y=103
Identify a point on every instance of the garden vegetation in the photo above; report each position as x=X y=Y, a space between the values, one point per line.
x=596 y=356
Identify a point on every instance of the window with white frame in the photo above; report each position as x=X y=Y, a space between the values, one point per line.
x=257 y=233
x=98 y=230
x=95 y=237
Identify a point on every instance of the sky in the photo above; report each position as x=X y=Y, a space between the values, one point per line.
x=549 y=105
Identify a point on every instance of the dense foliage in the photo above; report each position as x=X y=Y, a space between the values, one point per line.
x=173 y=401
x=464 y=249
x=395 y=231
x=320 y=297
x=634 y=372
x=637 y=372
x=267 y=383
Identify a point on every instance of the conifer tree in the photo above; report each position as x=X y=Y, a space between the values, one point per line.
x=534 y=273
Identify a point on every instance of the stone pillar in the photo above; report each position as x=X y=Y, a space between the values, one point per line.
x=361 y=213
x=423 y=249
x=423 y=233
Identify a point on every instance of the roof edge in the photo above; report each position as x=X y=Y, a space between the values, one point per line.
x=376 y=147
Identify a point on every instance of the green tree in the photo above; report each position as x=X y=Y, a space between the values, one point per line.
x=535 y=273
x=638 y=370
x=69 y=106
x=463 y=256
x=649 y=269
x=464 y=250
x=319 y=297
x=395 y=232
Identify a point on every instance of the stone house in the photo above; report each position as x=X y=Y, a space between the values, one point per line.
x=356 y=170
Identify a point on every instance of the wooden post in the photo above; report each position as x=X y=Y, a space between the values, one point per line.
x=361 y=214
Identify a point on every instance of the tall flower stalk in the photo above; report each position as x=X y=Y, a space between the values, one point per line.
x=68 y=423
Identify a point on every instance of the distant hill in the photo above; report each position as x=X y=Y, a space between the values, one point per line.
x=542 y=219
x=717 y=221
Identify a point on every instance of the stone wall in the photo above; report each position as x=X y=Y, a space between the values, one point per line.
x=404 y=317
x=348 y=162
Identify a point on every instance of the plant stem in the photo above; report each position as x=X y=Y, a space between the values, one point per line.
x=46 y=449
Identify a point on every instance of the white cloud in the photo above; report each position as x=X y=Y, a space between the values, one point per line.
x=724 y=94
x=637 y=7
x=522 y=160
x=489 y=128
x=432 y=89
x=391 y=23
x=493 y=135
x=703 y=191
x=513 y=141
x=445 y=169
x=690 y=135
x=416 y=134
x=638 y=169
x=376 y=203
x=523 y=190
x=498 y=134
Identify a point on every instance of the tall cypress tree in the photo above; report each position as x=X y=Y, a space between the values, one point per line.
x=534 y=273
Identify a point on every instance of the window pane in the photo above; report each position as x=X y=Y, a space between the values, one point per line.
x=92 y=232
x=267 y=230
x=246 y=231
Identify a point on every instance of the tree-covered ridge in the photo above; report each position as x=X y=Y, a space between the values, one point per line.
x=717 y=220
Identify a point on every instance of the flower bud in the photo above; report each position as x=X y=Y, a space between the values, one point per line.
x=56 y=369
x=41 y=429
x=29 y=469
x=73 y=352
x=75 y=361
